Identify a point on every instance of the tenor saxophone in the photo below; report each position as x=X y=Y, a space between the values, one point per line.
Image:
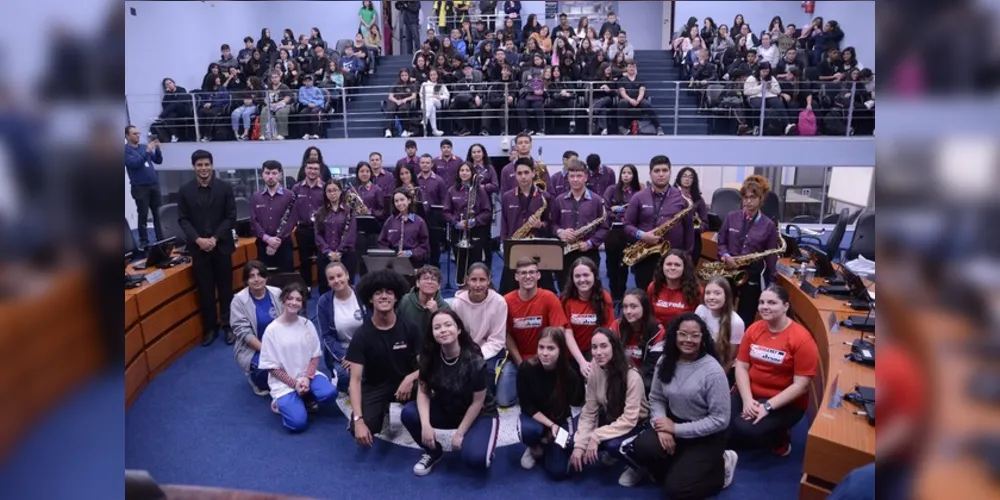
x=583 y=231
x=640 y=250
x=524 y=232
x=739 y=275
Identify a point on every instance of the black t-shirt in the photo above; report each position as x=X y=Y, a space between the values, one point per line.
x=454 y=401
x=535 y=386
x=631 y=87
x=388 y=356
x=826 y=68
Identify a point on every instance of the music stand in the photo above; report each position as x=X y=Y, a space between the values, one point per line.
x=548 y=252
x=378 y=259
x=159 y=255
x=367 y=224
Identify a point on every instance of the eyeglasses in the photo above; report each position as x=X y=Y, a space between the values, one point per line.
x=428 y=278
x=689 y=335
x=527 y=273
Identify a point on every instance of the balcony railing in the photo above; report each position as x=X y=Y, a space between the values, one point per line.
x=585 y=108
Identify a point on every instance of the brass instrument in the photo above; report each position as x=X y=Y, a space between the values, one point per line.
x=356 y=203
x=572 y=246
x=469 y=213
x=541 y=172
x=640 y=250
x=524 y=232
x=738 y=274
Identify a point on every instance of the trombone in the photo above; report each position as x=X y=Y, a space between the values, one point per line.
x=465 y=243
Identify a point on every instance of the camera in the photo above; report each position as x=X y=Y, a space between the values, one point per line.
x=505 y=144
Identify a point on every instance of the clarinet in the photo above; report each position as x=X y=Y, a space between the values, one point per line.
x=284 y=219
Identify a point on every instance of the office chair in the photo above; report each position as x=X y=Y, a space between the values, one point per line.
x=837 y=235
x=771 y=207
x=725 y=200
x=130 y=245
x=863 y=241
x=242 y=208
x=171 y=227
x=804 y=219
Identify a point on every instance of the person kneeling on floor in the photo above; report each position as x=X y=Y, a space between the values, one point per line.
x=250 y=313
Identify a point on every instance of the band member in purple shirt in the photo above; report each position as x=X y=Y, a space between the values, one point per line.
x=749 y=231
x=433 y=192
x=336 y=232
x=650 y=208
x=687 y=182
x=483 y=168
x=559 y=184
x=576 y=208
x=309 y=198
x=381 y=176
x=476 y=231
x=616 y=198
x=371 y=194
x=268 y=208
x=408 y=226
x=446 y=165
x=522 y=149
x=517 y=206
x=411 y=157
x=406 y=178
x=601 y=177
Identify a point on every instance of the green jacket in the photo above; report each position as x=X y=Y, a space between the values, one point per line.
x=412 y=311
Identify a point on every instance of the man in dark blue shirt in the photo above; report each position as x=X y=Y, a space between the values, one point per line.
x=139 y=160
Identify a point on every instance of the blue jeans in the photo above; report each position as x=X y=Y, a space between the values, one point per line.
x=479 y=443
x=858 y=485
x=507 y=385
x=293 y=409
x=247 y=112
x=555 y=458
x=491 y=365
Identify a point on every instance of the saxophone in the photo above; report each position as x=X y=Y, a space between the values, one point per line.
x=572 y=247
x=541 y=172
x=524 y=232
x=640 y=250
x=716 y=269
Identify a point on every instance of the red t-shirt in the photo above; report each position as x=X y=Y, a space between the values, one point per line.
x=583 y=319
x=776 y=358
x=634 y=349
x=526 y=319
x=669 y=304
x=901 y=391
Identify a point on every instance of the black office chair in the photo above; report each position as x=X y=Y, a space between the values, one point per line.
x=837 y=235
x=804 y=219
x=130 y=245
x=725 y=200
x=171 y=227
x=242 y=208
x=831 y=219
x=863 y=241
x=772 y=207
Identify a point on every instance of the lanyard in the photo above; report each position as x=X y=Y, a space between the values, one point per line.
x=657 y=207
x=576 y=209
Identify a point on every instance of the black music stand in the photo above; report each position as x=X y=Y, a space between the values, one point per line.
x=378 y=259
x=548 y=252
x=367 y=224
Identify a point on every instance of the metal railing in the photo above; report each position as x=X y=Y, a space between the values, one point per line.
x=680 y=107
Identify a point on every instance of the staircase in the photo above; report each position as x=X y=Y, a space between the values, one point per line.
x=364 y=110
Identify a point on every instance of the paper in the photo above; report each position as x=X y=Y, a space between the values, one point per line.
x=562 y=438
x=155 y=276
x=866 y=353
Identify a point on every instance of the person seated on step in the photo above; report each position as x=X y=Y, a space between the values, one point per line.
x=252 y=310
x=777 y=361
x=616 y=409
x=382 y=356
x=452 y=394
x=423 y=300
x=546 y=384
x=642 y=335
x=340 y=313
x=685 y=450
x=484 y=312
x=290 y=352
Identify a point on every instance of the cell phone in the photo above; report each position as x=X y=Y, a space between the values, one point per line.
x=152 y=137
x=562 y=438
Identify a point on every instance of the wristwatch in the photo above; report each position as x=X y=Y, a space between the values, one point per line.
x=767 y=406
x=355 y=418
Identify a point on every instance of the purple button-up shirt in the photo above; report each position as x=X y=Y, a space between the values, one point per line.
x=416 y=238
x=433 y=189
x=568 y=213
x=508 y=180
x=641 y=215
x=599 y=181
x=309 y=200
x=514 y=215
x=456 y=206
x=559 y=184
x=386 y=181
x=740 y=235
x=413 y=161
x=267 y=211
x=372 y=196
x=330 y=235
x=611 y=200
x=488 y=179
x=447 y=169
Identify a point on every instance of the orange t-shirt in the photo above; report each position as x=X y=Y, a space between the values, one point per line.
x=669 y=304
x=776 y=358
x=901 y=390
x=583 y=319
x=634 y=350
x=526 y=319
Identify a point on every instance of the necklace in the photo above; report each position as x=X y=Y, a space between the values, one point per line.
x=447 y=362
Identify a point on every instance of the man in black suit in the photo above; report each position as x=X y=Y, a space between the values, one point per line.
x=207 y=215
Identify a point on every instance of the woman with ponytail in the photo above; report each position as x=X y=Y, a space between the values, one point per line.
x=724 y=324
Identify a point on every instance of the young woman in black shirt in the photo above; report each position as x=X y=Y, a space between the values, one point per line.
x=452 y=395
x=545 y=386
x=401 y=104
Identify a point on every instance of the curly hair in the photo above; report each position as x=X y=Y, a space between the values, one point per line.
x=689 y=282
x=671 y=354
x=755 y=184
x=384 y=279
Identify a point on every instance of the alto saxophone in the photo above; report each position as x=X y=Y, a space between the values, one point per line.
x=640 y=250
x=711 y=270
x=580 y=233
x=524 y=232
x=541 y=172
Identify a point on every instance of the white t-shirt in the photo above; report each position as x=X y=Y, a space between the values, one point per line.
x=290 y=348
x=347 y=318
x=737 y=330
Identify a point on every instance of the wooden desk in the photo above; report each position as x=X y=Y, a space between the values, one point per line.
x=838 y=441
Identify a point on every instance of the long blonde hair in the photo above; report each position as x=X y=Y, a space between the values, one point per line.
x=722 y=341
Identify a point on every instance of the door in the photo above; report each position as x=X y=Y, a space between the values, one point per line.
x=667 y=28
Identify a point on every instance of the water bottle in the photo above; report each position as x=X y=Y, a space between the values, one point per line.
x=802 y=270
x=235 y=238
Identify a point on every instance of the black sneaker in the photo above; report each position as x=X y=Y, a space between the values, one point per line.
x=229 y=335
x=427 y=463
x=208 y=337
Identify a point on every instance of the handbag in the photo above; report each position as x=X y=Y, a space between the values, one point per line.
x=807 y=122
x=255 y=128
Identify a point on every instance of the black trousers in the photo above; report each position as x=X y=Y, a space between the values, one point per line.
x=695 y=471
x=493 y=112
x=176 y=118
x=361 y=246
x=147 y=198
x=696 y=251
x=305 y=236
x=566 y=275
x=375 y=402
x=767 y=433
x=614 y=247
x=283 y=260
x=404 y=113
x=534 y=108
x=350 y=260
x=410 y=38
x=627 y=113
x=466 y=113
x=213 y=272
x=748 y=295
x=436 y=236
x=478 y=239
x=311 y=119
x=643 y=271
x=210 y=120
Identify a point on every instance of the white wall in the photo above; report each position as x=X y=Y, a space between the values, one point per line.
x=857 y=19
x=180 y=39
x=644 y=23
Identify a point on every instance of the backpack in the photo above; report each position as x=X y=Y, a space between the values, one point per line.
x=807 y=122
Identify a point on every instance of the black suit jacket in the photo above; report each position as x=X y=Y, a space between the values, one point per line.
x=217 y=219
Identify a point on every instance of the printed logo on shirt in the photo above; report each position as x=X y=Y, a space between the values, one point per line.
x=645 y=206
x=583 y=319
x=734 y=230
x=633 y=352
x=670 y=305
x=260 y=205
x=273 y=313
x=357 y=315
x=567 y=211
x=393 y=231
x=398 y=346
x=528 y=322
x=775 y=356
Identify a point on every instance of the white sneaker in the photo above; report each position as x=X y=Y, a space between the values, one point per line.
x=388 y=133
x=279 y=137
x=406 y=133
x=730 y=457
x=306 y=137
x=315 y=137
x=528 y=460
x=604 y=131
x=173 y=138
x=426 y=464
x=437 y=133
x=630 y=478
